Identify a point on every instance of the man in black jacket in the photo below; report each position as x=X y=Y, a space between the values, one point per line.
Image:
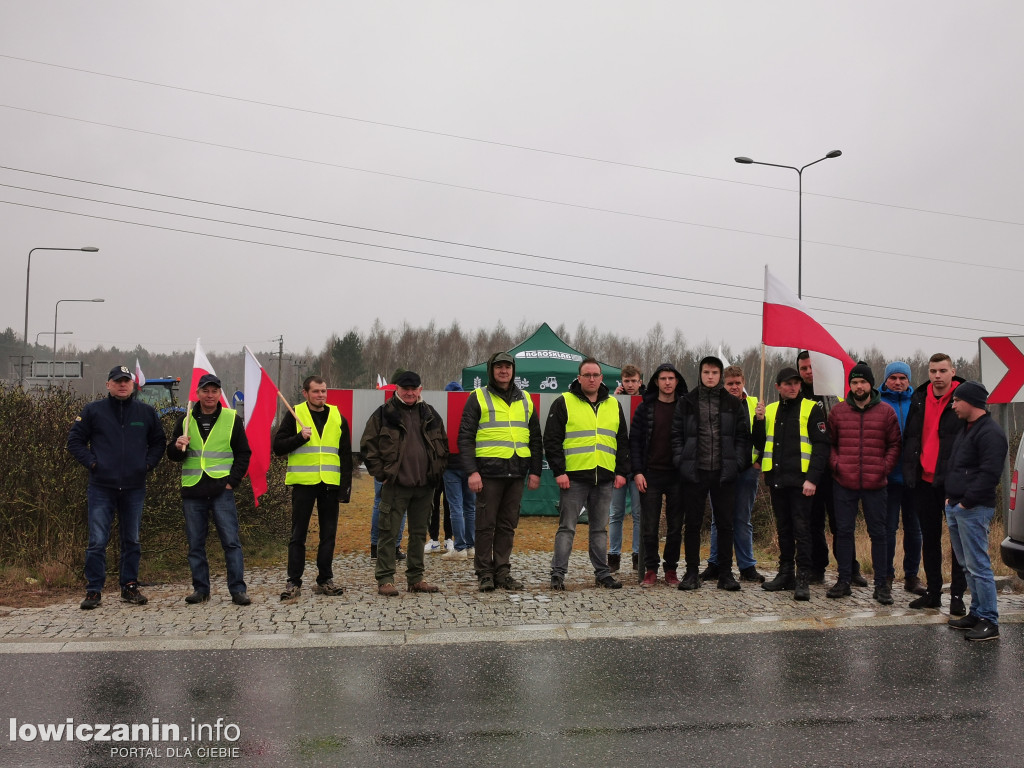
x=215 y=454
x=118 y=440
x=711 y=445
x=500 y=445
x=650 y=453
x=794 y=458
x=972 y=474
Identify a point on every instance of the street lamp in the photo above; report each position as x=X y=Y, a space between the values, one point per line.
x=800 y=205
x=62 y=333
x=55 y=306
x=28 y=275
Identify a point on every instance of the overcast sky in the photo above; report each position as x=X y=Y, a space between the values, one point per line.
x=581 y=145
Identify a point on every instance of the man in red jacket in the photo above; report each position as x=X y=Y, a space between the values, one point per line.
x=865 y=437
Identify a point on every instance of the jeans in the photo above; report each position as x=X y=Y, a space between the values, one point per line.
x=742 y=520
x=571 y=502
x=397 y=501
x=497 y=517
x=667 y=486
x=873 y=503
x=374 y=529
x=968 y=533
x=901 y=498
x=723 y=499
x=197 y=525
x=616 y=513
x=462 y=503
x=823 y=508
x=303 y=498
x=103 y=503
x=793 y=522
x=931 y=505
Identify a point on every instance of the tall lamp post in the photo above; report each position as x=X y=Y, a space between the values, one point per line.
x=55 y=307
x=28 y=275
x=800 y=206
x=51 y=333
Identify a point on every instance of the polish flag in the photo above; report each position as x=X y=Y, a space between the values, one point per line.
x=260 y=410
x=140 y=377
x=787 y=322
x=201 y=366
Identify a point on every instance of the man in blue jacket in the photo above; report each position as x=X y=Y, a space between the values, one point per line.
x=972 y=474
x=118 y=439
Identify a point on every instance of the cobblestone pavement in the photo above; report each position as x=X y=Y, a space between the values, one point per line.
x=459 y=613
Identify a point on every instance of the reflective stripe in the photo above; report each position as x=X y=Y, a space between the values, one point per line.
x=191 y=454
x=493 y=443
x=311 y=449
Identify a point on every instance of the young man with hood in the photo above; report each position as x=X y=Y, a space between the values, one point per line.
x=711 y=446
x=500 y=445
x=823 y=508
x=794 y=458
x=746 y=489
x=650 y=453
x=865 y=438
x=587 y=447
x=932 y=426
x=897 y=391
x=975 y=464
x=631 y=385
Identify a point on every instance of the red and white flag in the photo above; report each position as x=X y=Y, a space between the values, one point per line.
x=200 y=367
x=260 y=409
x=787 y=322
x=140 y=377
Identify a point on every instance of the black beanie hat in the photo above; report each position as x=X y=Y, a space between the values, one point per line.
x=862 y=371
x=972 y=392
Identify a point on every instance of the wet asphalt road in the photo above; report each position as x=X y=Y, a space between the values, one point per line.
x=916 y=695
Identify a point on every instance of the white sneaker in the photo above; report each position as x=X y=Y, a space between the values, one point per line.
x=431 y=546
x=471 y=552
x=449 y=544
x=454 y=554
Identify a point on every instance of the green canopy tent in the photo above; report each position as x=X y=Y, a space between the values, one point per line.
x=544 y=364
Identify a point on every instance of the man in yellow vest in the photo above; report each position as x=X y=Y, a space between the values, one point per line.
x=794 y=458
x=215 y=457
x=319 y=450
x=500 y=446
x=587 y=448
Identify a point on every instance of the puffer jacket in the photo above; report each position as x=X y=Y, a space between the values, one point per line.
x=865 y=443
x=383 y=442
x=734 y=430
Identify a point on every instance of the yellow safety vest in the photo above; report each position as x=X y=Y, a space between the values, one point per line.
x=503 y=429
x=215 y=457
x=806 y=406
x=751 y=407
x=590 y=438
x=318 y=461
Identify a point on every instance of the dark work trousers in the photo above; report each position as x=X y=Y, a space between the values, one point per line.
x=872 y=502
x=661 y=485
x=435 y=515
x=326 y=499
x=497 y=516
x=793 y=522
x=695 y=497
x=823 y=508
x=931 y=511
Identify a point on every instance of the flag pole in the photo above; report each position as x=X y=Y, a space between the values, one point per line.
x=290 y=409
x=761 y=396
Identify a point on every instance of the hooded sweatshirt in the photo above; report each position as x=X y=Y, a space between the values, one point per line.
x=648 y=430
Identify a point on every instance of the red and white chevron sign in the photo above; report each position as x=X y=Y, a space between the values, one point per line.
x=1002 y=368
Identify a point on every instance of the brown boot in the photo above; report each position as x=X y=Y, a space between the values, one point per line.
x=387 y=590
x=423 y=586
x=913 y=585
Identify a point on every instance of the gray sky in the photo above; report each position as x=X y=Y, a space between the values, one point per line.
x=921 y=215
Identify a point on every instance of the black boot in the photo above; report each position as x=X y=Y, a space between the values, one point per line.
x=803 y=589
x=614 y=562
x=783 y=580
x=927 y=600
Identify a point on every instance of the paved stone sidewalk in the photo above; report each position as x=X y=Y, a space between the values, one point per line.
x=458 y=614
